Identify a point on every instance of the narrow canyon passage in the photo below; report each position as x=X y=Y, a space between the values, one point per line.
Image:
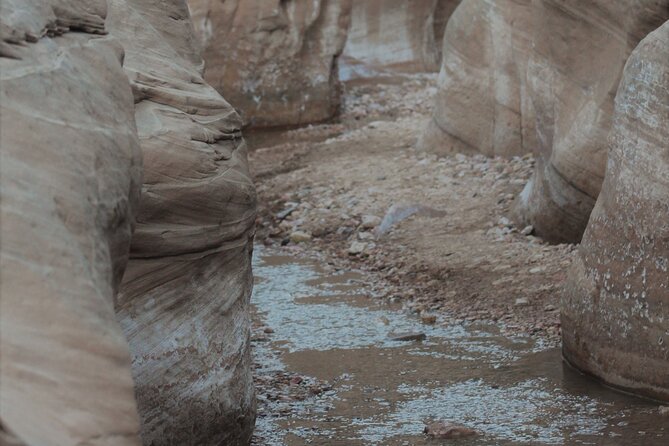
x=347 y=261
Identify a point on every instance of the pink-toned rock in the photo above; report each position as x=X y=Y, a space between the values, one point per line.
x=578 y=53
x=70 y=174
x=482 y=104
x=615 y=312
x=274 y=60
x=184 y=299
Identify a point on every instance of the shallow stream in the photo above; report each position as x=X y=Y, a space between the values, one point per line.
x=512 y=390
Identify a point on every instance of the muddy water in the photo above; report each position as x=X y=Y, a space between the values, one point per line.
x=327 y=327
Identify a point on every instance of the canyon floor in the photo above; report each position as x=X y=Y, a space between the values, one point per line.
x=363 y=239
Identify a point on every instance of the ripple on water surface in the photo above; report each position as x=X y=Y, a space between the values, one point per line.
x=513 y=390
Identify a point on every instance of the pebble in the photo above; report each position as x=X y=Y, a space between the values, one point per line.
x=428 y=319
x=521 y=302
x=407 y=336
x=300 y=236
x=370 y=221
x=527 y=230
x=356 y=248
x=446 y=430
x=663 y=410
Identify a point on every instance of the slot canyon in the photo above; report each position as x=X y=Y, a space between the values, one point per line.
x=334 y=222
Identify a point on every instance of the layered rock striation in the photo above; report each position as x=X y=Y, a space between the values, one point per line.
x=184 y=300
x=615 y=313
x=482 y=103
x=274 y=60
x=70 y=173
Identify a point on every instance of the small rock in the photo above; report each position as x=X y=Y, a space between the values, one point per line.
x=407 y=336
x=300 y=236
x=268 y=330
x=521 y=302
x=527 y=230
x=356 y=248
x=550 y=307
x=295 y=380
x=663 y=410
x=536 y=270
x=370 y=221
x=446 y=430
x=428 y=319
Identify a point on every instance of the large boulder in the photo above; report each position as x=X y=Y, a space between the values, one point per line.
x=395 y=36
x=615 y=313
x=578 y=53
x=184 y=299
x=70 y=172
x=274 y=60
x=482 y=104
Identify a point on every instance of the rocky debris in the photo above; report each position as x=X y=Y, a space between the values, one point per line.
x=615 y=308
x=572 y=88
x=191 y=250
x=459 y=260
x=406 y=337
x=391 y=36
x=445 y=430
x=70 y=178
x=485 y=52
x=274 y=60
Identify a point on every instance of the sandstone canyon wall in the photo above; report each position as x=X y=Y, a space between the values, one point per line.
x=70 y=178
x=615 y=314
x=394 y=36
x=184 y=298
x=75 y=127
x=274 y=60
x=578 y=53
x=482 y=103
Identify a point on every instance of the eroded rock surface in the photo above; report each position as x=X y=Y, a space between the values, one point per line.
x=395 y=35
x=71 y=174
x=615 y=314
x=184 y=297
x=482 y=104
x=579 y=50
x=275 y=61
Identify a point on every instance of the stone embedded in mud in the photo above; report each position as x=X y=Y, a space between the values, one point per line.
x=274 y=60
x=184 y=299
x=446 y=430
x=615 y=311
x=405 y=337
x=394 y=36
x=578 y=53
x=482 y=103
x=70 y=180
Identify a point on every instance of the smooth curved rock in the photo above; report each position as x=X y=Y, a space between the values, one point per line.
x=274 y=60
x=482 y=104
x=579 y=50
x=394 y=36
x=184 y=299
x=615 y=313
x=70 y=179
